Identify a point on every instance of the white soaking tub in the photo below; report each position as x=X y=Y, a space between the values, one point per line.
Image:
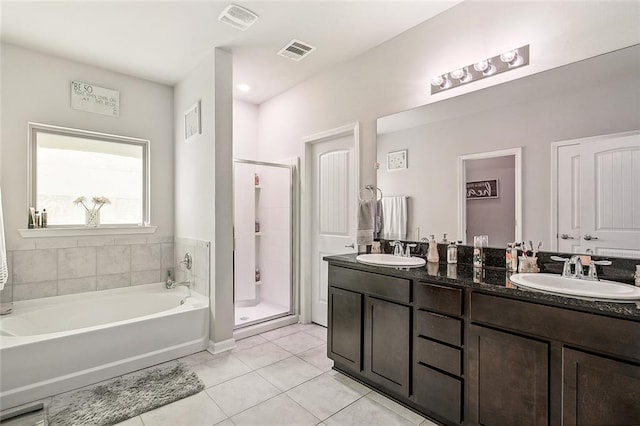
x=56 y=344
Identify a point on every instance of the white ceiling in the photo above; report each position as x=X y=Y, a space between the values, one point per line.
x=163 y=40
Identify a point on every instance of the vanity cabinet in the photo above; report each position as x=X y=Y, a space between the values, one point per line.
x=508 y=378
x=387 y=344
x=550 y=365
x=463 y=355
x=599 y=390
x=438 y=351
x=369 y=327
x=345 y=328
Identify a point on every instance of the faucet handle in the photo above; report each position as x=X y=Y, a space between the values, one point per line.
x=601 y=262
x=560 y=259
x=408 y=248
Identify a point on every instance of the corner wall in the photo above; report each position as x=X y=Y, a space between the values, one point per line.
x=203 y=174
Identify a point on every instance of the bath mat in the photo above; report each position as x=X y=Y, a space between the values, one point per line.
x=122 y=398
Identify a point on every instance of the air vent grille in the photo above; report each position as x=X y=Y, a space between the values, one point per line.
x=238 y=17
x=296 y=50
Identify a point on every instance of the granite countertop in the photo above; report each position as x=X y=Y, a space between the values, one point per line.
x=491 y=279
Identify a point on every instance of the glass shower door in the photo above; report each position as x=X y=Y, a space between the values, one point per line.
x=263 y=212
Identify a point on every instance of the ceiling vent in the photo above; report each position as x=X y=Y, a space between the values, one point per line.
x=238 y=17
x=296 y=50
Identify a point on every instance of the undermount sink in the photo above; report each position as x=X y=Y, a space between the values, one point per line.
x=587 y=289
x=391 y=260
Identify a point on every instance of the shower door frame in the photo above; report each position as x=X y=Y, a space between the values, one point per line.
x=292 y=228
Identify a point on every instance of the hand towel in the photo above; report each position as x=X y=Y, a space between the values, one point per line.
x=4 y=268
x=394 y=218
x=366 y=219
x=379 y=219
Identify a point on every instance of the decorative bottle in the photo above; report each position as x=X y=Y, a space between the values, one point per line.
x=432 y=251
x=452 y=252
x=478 y=254
x=511 y=257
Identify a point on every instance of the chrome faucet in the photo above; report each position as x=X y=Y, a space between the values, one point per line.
x=397 y=248
x=578 y=272
x=170 y=284
x=577 y=269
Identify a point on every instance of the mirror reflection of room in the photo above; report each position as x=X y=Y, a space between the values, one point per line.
x=540 y=114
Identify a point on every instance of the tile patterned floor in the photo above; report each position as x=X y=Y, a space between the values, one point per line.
x=281 y=377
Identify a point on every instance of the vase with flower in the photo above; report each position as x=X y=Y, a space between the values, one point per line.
x=92 y=215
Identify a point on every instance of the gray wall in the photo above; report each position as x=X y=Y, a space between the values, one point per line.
x=501 y=211
x=36 y=87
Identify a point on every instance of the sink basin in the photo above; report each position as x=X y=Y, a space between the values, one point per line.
x=586 y=289
x=391 y=260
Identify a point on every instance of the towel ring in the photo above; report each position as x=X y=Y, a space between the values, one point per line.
x=373 y=193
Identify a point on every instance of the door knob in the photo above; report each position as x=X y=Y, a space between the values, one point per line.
x=566 y=237
x=352 y=245
x=588 y=237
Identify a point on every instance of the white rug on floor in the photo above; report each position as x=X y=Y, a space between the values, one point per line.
x=124 y=397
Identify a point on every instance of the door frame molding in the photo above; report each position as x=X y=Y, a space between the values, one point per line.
x=555 y=146
x=462 y=178
x=351 y=129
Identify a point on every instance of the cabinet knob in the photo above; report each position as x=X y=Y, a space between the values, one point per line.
x=588 y=237
x=566 y=237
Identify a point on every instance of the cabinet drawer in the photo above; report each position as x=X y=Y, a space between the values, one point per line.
x=439 y=356
x=439 y=327
x=578 y=328
x=374 y=284
x=439 y=298
x=438 y=394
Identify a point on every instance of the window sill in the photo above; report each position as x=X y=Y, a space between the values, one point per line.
x=84 y=231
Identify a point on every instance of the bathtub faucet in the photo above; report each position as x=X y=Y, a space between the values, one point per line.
x=173 y=284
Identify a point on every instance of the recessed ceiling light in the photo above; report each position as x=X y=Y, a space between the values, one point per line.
x=243 y=87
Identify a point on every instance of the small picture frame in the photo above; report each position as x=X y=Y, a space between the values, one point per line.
x=482 y=189
x=192 y=121
x=397 y=160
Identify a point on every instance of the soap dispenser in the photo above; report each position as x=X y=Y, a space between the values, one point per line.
x=432 y=251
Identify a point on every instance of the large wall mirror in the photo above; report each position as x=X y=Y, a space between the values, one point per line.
x=597 y=99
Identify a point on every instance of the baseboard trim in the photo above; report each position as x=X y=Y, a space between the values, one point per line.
x=219 y=347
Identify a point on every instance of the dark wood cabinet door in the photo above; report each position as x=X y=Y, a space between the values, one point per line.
x=508 y=379
x=344 y=336
x=387 y=344
x=598 y=390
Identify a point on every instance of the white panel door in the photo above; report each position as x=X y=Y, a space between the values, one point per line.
x=599 y=196
x=569 y=207
x=333 y=213
x=610 y=170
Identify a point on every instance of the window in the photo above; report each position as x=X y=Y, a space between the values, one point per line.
x=70 y=163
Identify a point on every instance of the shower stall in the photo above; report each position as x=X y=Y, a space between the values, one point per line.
x=263 y=231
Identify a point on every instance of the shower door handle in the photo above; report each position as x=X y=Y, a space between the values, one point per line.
x=352 y=245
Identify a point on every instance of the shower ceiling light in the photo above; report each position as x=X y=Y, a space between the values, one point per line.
x=506 y=61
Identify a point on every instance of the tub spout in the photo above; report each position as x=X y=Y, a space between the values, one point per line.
x=173 y=284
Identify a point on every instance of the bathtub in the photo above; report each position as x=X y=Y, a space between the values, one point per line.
x=56 y=344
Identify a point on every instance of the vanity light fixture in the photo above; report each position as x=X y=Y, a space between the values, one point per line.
x=460 y=74
x=511 y=59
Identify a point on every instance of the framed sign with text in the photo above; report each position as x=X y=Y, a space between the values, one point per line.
x=482 y=189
